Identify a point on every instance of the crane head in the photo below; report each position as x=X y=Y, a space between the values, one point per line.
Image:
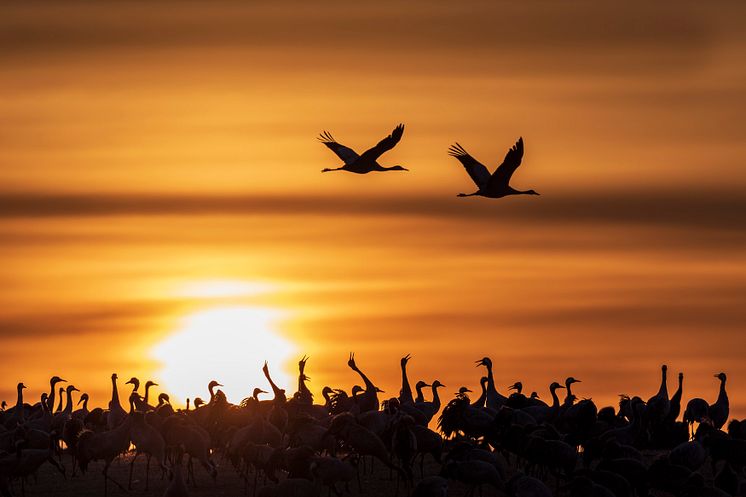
x=484 y=361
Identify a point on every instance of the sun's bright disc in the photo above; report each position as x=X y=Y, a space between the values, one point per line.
x=227 y=344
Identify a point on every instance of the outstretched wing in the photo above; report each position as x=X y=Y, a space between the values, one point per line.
x=504 y=171
x=476 y=169
x=384 y=145
x=347 y=155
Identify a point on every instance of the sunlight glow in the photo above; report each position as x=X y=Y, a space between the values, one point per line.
x=223 y=288
x=227 y=344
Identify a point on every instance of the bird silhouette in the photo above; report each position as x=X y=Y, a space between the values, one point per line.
x=368 y=161
x=291 y=439
x=718 y=412
x=497 y=184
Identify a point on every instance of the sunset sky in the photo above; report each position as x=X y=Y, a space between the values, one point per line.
x=163 y=214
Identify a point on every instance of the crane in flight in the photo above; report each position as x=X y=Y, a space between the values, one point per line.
x=497 y=184
x=368 y=161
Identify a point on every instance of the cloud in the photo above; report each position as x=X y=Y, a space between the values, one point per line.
x=701 y=210
x=519 y=36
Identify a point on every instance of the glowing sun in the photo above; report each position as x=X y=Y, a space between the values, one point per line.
x=227 y=344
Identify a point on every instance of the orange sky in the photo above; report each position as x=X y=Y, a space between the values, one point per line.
x=145 y=150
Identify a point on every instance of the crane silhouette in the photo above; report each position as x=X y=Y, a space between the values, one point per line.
x=289 y=433
x=497 y=184
x=368 y=161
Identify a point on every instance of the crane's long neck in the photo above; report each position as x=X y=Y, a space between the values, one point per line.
x=302 y=388
x=59 y=405
x=211 y=389
x=19 y=402
x=275 y=389
x=420 y=395
x=680 y=390
x=663 y=390
x=50 y=397
x=114 y=393
x=369 y=386
x=69 y=406
x=555 y=399
x=722 y=395
x=482 y=398
x=568 y=396
x=436 y=398
x=405 y=396
x=490 y=379
x=85 y=404
x=147 y=391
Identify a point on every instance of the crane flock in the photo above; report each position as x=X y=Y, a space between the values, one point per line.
x=491 y=185
x=514 y=445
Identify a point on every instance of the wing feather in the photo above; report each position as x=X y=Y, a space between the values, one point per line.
x=347 y=155
x=504 y=171
x=384 y=145
x=476 y=169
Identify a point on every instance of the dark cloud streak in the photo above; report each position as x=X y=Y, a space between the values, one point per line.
x=721 y=210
